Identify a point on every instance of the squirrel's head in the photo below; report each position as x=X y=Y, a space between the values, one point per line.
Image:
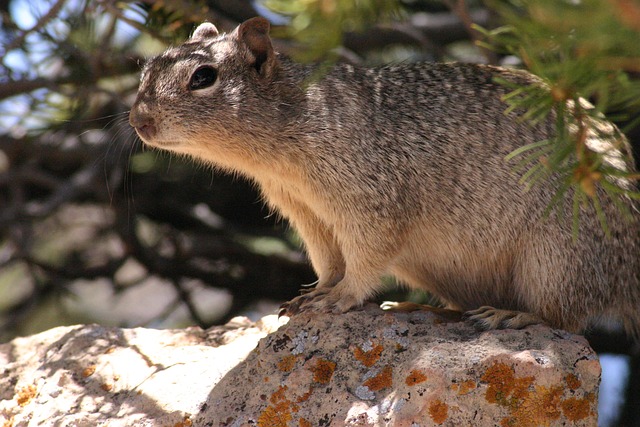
x=197 y=97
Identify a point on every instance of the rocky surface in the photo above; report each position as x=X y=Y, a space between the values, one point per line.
x=364 y=368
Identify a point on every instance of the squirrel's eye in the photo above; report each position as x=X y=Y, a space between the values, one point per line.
x=203 y=77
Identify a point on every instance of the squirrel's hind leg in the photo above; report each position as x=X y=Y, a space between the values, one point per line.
x=487 y=318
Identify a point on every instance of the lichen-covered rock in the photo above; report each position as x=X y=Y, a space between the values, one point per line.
x=373 y=368
x=364 y=368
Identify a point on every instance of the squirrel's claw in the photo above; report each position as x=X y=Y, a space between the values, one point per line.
x=292 y=307
x=301 y=302
x=320 y=300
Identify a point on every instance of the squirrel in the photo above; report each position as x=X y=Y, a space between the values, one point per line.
x=398 y=170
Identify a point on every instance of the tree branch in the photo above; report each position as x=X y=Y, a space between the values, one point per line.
x=52 y=13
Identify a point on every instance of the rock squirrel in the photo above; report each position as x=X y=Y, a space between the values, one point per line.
x=394 y=170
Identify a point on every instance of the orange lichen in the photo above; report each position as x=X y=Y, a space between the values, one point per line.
x=304 y=423
x=306 y=395
x=274 y=417
x=278 y=414
x=464 y=387
x=88 y=371
x=287 y=363
x=370 y=357
x=540 y=408
x=533 y=406
x=25 y=394
x=279 y=395
x=507 y=422
x=500 y=378
x=107 y=387
x=184 y=423
x=467 y=386
x=577 y=409
x=8 y=423
x=439 y=411
x=323 y=371
x=573 y=382
x=416 y=376
x=521 y=387
x=382 y=380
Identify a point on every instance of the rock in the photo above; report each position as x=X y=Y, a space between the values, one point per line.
x=364 y=368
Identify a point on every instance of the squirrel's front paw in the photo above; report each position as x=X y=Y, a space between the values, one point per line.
x=324 y=300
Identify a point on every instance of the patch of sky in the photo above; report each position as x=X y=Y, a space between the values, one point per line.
x=274 y=18
x=36 y=60
x=24 y=12
x=615 y=374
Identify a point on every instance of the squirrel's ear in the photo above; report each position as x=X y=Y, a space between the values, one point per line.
x=254 y=34
x=204 y=31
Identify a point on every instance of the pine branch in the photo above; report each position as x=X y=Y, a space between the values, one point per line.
x=576 y=49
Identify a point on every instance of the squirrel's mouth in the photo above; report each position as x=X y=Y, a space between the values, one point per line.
x=146 y=132
x=166 y=145
x=149 y=135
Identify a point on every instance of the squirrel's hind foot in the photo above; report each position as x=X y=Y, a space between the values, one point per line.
x=488 y=318
x=322 y=300
x=409 y=307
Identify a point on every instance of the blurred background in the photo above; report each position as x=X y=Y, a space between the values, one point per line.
x=96 y=228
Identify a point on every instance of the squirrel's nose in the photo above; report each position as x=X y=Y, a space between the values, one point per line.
x=143 y=123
